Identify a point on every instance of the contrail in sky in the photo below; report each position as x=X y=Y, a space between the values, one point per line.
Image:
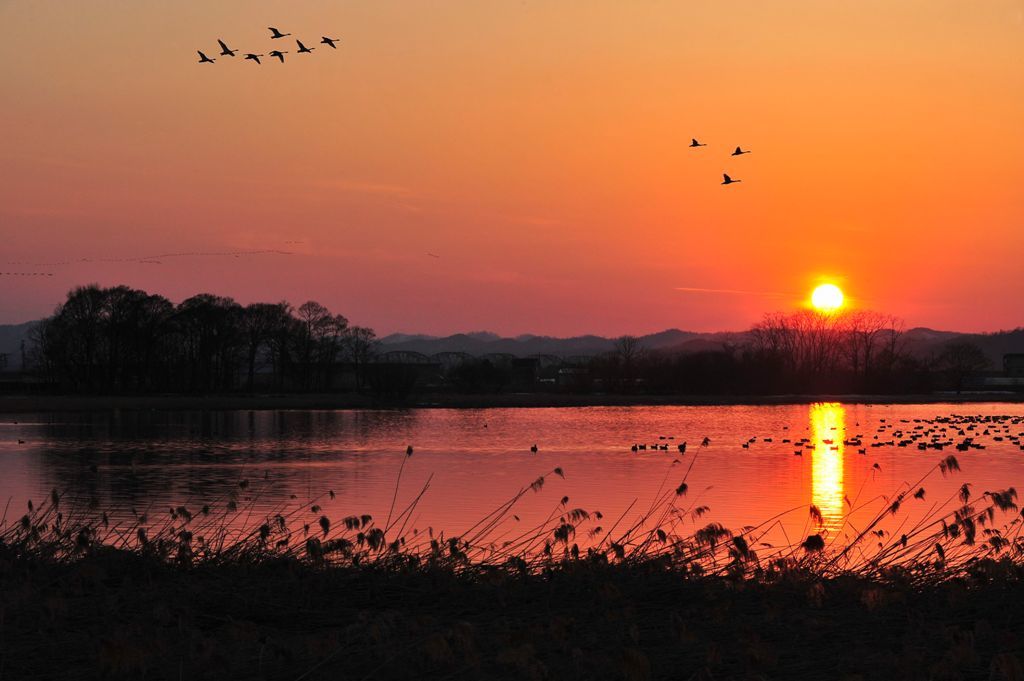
x=152 y=259
x=693 y=289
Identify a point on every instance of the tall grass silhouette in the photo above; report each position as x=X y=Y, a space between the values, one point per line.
x=937 y=544
x=224 y=590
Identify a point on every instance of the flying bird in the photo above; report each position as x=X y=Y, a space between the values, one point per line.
x=279 y=54
x=330 y=41
x=254 y=57
x=695 y=143
x=729 y=180
x=226 y=51
x=203 y=59
x=274 y=33
x=303 y=48
x=739 y=152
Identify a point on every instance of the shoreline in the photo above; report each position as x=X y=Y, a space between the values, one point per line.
x=118 y=616
x=334 y=401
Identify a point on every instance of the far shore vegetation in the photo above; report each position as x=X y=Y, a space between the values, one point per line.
x=124 y=341
x=36 y=402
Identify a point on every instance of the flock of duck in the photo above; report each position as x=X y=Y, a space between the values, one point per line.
x=955 y=431
x=738 y=151
x=664 y=446
x=275 y=34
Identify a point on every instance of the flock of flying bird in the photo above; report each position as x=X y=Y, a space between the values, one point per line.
x=276 y=34
x=157 y=259
x=739 y=151
x=226 y=51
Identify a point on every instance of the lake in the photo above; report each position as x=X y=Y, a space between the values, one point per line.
x=476 y=459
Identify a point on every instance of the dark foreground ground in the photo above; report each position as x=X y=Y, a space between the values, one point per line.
x=52 y=403
x=119 y=616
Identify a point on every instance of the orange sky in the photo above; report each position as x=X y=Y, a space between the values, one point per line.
x=539 y=148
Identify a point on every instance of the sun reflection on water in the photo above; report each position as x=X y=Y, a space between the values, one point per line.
x=828 y=431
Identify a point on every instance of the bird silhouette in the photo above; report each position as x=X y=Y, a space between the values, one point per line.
x=303 y=48
x=695 y=143
x=274 y=33
x=203 y=59
x=254 y=57
x=279 y=54
x=729 y=180
x=226 y=51
x=330 y=41
x=739 y=152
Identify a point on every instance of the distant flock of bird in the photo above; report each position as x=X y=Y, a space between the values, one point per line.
x=663 y=446
x=157 y=259
x=275 y=34
x=955 y=431
x=739 y=151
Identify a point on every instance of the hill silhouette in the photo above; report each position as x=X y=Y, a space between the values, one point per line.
x=485 y=342
x=919 y=342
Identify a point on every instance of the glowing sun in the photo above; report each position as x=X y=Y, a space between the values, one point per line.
x=827 y=298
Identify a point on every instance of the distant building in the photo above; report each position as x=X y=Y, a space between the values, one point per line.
x=1013 y=365
x=1011 y=377
x=575 y=378
x=525 y=372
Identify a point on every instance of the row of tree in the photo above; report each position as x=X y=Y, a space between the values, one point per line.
x=123 y=339
x=803 y=352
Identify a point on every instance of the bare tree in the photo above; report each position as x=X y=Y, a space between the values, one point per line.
x=807 y=342
x=961 y=360
x=871 y=341
x=360 y=347
x=629 y=351
x=259 y=322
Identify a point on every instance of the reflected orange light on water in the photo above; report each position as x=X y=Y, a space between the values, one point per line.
x=828 y=431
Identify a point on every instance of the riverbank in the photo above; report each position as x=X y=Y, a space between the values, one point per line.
x=119 y=615
x=188 y=593
x=261 y=402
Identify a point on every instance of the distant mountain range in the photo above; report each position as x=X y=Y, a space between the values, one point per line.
x=485 y=342
x=918 y=341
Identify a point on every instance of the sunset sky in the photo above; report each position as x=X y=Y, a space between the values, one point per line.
x=539 y=148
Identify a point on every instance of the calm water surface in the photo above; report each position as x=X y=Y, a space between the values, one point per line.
x=475 y=459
